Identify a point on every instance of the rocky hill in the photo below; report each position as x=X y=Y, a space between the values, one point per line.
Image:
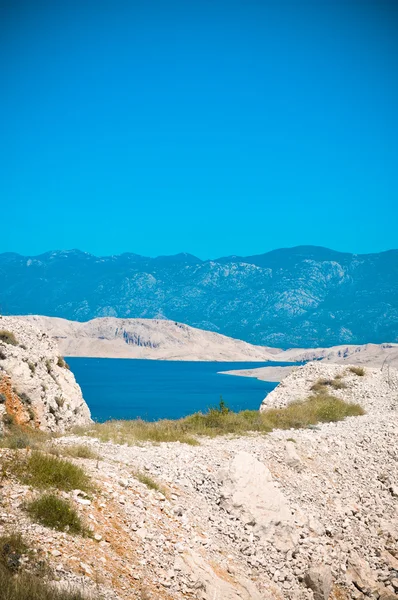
x=298 y=297
x=36 y=386
x=145 y=338
x=300 y=514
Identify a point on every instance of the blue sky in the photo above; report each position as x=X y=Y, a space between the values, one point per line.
x=211 y=127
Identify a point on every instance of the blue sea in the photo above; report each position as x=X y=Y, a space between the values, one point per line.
x=151 y=389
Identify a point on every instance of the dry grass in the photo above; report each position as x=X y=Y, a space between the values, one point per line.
x=319 y=407
x=17 y=437
x=74 y=451
x=56 y=513
x=44 y=471
x=322 y=384
x=28 y=587
x=136 y=431
x=360 y=371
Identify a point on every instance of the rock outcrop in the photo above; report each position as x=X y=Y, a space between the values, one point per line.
x=36 y=386
x=249 y=493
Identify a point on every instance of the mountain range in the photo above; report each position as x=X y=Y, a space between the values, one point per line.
x=306 y=296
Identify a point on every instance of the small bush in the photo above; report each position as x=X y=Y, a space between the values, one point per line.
x=149 y=482
x=49 y=366
x=61 y=362
x=32 y=367
x=322 y=384
x=360 y=371
x=12 y=548
x=2 y=399
x=44 y=471
x=8 y=337
x=56 y=513
x=7 y=419
x=25 y=398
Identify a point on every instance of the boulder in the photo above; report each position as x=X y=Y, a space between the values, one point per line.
x=319 y=580
x=249 y=493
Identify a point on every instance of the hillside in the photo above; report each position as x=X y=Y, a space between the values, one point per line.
x=145 y=338
x=298 y=514
x=297 y=297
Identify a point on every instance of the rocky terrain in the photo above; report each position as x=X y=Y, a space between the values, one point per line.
x=293 y=297
x=36 y=386
x=297 y=514
x=373 y=355
x=145 y=338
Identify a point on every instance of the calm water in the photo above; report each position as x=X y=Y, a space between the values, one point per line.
x=150 y=389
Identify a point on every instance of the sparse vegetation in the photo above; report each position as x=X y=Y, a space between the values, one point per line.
x=17 y=437
x=2 y=399
x=8 y=337
x=54 y=512
x=61 y=362
x=149 y=482
x=319 y=407
x=322 y=384
x=32 y=368
x=75 y=451
x=25 y=398
x=44 y=471
x=12 y=548
x=8 y=420
x=25 y=586
x=360 y=371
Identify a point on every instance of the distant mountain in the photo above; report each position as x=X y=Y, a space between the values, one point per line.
x=293 y=297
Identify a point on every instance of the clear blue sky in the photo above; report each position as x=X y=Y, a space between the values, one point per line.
x=213 y=127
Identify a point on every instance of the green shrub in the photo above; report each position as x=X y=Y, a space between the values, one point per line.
x=2 y=399
x=12 y=548
x=44 y=471
x=32 y=367
x=320 y=408
x=56 y=513
x=7 y=419
x=360 y=371
x=8 y=337
x=25 y=398
x=149 y=482
x=61 y=362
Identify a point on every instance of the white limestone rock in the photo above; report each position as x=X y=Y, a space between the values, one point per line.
x=37 y=386
x=249 y=492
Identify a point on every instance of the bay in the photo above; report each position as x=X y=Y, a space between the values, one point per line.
x=151 y=389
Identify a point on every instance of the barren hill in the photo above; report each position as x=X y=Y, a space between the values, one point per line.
x=146 y=338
